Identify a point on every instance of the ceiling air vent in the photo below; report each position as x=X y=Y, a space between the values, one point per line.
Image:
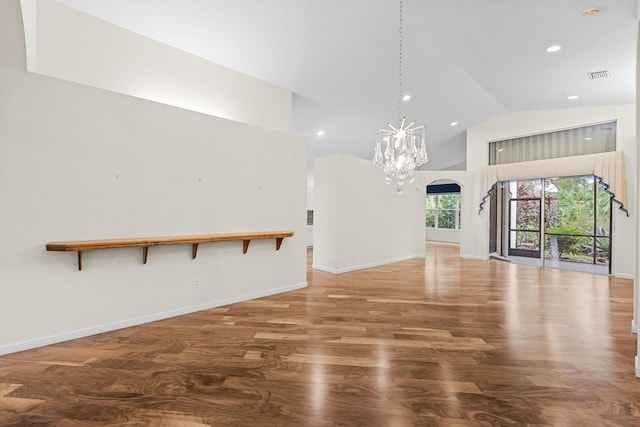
x=599 y=75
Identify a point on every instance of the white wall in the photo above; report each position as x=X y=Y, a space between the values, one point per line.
x=636 y=286
x=442 y=235
x=82 y=163
x=77 y=47
x=359 y=221
x=517 y=124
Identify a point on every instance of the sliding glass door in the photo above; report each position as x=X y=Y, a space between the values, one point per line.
x=577 y=221
x=525 y=215
x=560 y=221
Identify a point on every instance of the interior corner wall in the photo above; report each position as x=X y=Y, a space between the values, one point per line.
x=310 y=208
x=82 y=163
x=512 y=125
x=359 y=221
x=78 y=47
x=636 y=286
x=442 y=235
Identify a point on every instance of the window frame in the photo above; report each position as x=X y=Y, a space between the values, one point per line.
x=436 y=210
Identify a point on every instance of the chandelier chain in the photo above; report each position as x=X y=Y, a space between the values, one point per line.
x=400 y=50
x=406 y=146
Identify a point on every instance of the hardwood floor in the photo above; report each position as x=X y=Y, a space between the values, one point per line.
x=442 y=341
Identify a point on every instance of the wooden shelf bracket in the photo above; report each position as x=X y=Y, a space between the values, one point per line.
x=194 y=250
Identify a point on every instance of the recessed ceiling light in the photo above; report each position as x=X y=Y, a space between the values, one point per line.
x=320 y=133
x=453 y=123
x=588 y=138
x=406 y=97
x=554 y=48
x=572 y=97
x=500 y=150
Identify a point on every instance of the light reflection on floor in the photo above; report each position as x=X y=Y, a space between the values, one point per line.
x=562 y=265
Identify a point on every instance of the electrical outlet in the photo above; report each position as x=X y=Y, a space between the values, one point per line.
x=196 y=283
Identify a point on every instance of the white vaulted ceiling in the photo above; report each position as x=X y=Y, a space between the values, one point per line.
x=464 y=60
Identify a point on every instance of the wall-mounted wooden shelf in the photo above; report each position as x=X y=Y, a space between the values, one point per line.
x=145 y=242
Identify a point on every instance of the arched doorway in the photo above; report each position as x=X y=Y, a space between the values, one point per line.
x=443 y=211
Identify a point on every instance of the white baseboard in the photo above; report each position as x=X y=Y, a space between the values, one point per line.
x=624 y=276
x=363 y=266
x=322 y=268
x=81 y=333
x=477 y=258
x=634 y=326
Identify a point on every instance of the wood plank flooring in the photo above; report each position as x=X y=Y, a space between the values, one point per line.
x=436 y=342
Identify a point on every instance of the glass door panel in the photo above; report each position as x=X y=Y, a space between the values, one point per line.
x=524 y=218
x=603 y=226
x=577 y=220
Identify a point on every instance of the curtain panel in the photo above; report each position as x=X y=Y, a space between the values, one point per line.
x=608 y=169
x=580 y=141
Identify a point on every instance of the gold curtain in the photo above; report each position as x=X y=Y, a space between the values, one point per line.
x=608 y=168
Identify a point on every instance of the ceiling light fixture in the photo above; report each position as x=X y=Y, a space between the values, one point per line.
x=554 y=48
x=406 y=97
x=320 y=133
x=406 y=144
x=592 y=11
x=572 y=97
x=453 y=124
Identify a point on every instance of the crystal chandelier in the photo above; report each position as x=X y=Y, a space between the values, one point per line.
x=406 y=144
